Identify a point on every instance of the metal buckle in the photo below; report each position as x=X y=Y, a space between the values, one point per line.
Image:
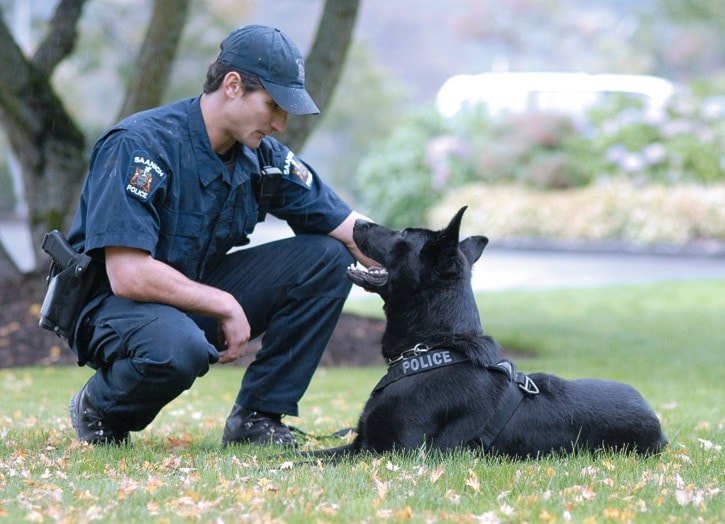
x=506 y=367
x=528 y=385
x=413 y=352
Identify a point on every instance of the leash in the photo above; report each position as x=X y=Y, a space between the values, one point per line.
x=340 y=433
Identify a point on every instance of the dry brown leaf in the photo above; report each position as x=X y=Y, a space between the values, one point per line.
x=472 y=481
x=436 y=474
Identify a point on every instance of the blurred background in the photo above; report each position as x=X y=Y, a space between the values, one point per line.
x=581 y=120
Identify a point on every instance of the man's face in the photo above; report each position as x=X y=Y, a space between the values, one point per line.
x=252 y=115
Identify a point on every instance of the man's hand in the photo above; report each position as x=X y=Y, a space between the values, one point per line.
x=343 y=233
x=135 y=275
x=234 y=333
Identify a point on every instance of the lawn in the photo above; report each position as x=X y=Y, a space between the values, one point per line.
x=666 y=339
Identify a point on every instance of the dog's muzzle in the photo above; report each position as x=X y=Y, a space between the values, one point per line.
x=371 y=278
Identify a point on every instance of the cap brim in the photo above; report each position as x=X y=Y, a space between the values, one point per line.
x=294 y=100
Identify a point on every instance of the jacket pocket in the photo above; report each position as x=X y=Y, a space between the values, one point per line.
x=180 y=241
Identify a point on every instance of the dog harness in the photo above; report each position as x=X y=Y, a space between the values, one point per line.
x=422 y=358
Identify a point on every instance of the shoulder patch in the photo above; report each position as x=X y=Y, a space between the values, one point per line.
x=143 y=176
x=297 y=171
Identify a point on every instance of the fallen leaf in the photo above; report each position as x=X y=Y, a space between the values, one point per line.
x=435 y=475
x=472 y=481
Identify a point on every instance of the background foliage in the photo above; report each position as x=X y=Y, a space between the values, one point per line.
x=385 y=80
x=427 y=159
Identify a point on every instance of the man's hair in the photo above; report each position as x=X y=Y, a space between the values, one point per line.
x=218 y=70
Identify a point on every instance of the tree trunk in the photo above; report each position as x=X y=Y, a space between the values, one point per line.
x=44 y=138
x=323 y=65
x=156 y=57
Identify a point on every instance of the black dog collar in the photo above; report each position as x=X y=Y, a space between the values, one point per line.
x=419 y=359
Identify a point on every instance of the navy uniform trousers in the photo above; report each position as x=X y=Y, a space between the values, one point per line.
x=146 y=354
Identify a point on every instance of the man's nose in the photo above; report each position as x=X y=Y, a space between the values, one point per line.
x=279 y=122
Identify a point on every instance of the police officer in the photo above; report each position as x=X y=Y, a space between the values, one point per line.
x=169 y=192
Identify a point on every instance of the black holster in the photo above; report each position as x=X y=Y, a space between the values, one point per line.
x=72 y=278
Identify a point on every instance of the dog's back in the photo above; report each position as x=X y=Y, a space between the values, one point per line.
x=583 y=414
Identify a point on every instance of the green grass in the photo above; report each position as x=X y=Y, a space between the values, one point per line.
x=665 y=339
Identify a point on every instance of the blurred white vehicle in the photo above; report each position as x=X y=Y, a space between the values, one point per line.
x=570 y=94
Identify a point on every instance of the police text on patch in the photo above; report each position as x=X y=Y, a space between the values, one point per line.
x=425 y=361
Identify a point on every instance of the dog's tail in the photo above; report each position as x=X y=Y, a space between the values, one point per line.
x=340 y=452
x=331 y=456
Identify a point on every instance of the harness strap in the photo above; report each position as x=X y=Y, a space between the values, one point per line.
x=509 y=404
x=521 y=379
x=519 y=386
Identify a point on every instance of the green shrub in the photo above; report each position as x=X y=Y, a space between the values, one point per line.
x=427 y=157
x=394 y=182
x=683 y=145
x=540 y=150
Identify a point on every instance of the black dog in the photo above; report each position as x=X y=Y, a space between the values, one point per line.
x=447 y=387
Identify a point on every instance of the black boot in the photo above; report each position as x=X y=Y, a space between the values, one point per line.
x=256 y=427
x=89 y=424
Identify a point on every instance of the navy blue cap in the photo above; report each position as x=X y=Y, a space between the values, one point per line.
x=269 y=54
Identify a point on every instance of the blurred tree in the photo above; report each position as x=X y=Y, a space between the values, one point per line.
x=48 y=141
x=677 y=39
x=44 y=137
x=368 y=103
x=691 y=42
x=157 y=55
x=323 y=65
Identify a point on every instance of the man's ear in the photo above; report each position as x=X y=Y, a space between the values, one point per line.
x=232 y=84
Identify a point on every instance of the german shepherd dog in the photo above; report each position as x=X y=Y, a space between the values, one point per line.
x=447 y=386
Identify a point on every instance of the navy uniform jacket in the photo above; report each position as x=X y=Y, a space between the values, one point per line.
x=155 y=184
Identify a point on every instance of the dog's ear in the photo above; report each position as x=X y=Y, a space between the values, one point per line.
x=452 y=231
x=472 y=247
x=442 y=249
